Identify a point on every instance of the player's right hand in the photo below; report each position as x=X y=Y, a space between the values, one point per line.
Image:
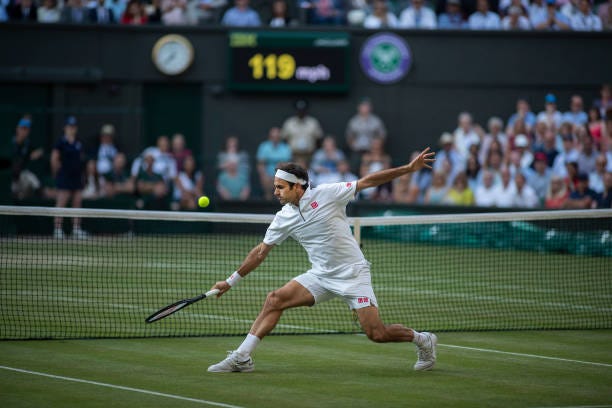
x=223 y=287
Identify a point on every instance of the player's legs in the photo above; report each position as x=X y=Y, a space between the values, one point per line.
x=61 y=200
x=379 y=332
x=77 y=202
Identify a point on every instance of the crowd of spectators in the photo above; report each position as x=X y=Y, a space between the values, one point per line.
x=546 y=159
x=580 y=15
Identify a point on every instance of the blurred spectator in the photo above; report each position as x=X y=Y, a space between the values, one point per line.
x=101 y=14
x=106 y=150
x=135 y=14
x=448 y=160
x=460 y=192
x=325 y=160
x=521 y=144
x=595 y=125
x=585 y=19
x=74 y=12
x=327 y=12
x=539 y=176
x=174 y=12
x=496 y=134
x=515 y=20
x=596 y=178
x=361 y=129
x=576 y=115
x=269 y=154
x=48 y=12
x=569 y=8
x=118 y=180
x=233 y=152
x=436 y=192
x=372 y=161
x=358 y=11
x=280 y=15
x=505 y=5
x=486 y=191
x=588 y=154
x=483 y=18
x=472 y=172
x=550 y=115
x=380 y=17
x=525 y=196
x=153 y=11
x=548 y=147
x=93 y=187
x=494 y=164
x=605 y=199
x=179 y=150
x=553 y=19
x=241 y=15
x=465 y=134
x=571 y=175
x=150 y=186
x=421 y=179
x=302 y=132
x=344 y=172
x=583 y=197
x=232 y=185
x=605 y=14
x=418 y=16
x=556 y=194
x=507 y=190
x=452 y=18
x=537 y=12
x=117 y=6
x=22 y=10
x=208 y=12
x=24 y=182
x=67 y=166
x=605 y=101
x=539 y=133
x=524 y=114
x=568 y=154
x=404 y=191
x=188 y=186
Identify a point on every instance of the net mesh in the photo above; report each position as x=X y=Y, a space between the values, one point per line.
x=462 y=272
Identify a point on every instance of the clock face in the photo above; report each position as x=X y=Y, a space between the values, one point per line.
x=172 y=54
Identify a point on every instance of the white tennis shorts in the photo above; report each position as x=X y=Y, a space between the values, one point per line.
x=356 y=290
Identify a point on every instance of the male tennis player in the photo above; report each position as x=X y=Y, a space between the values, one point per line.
x=316 y=218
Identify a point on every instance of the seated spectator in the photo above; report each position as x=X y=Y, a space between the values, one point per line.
x=465 y=134
x=118 y=180
x=74 y=12
x=163 y=165
x=537 y=11
x=604 y=103
x=188 y=186
x=495 y=135
x=94 y=183
x=486 y=192
x=380 y=17
x=556 y=194
x=269 y=154
x=344 y=172
x=280 y=15
x=232 y=185
x=524 y=113
x=585 y=19
x=583 y=197
x=23 y=10
x=241 y=15
x=452 y=18
x=483 y=18
x=605 y=14
x=494 y=164
x=525 y=196
x=327 y=12
x=576 y=115
x=25 y=183
x=553 y=20
x=595 y=125
x=101 y=14
x=571 y=177
x=521 y=145
x=596 y=178
x=48 y=12
x=179 y=150
x=174 y=12
x=361 y=129
x=154 y=13
x=436 y=192
x=605 y=198
x=504 y=6
x=548 y=147
x=358 y=11
x=550 y=115
x=135 y=14
x=326 y=159
x=515 y=20
x=375 y=160
x=404 y=191
x=118 y=7
x=208 y=12
x=106 y=150
x=507 y=190
x=448 y=160
x=588 y=154
x=472 y=172
x=418 y=16
x=232 y=151
x=539 y=176
x=569 y=153
x=302 y=132
x=150 y=186
x=460 y=192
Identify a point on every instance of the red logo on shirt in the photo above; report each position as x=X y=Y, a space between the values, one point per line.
x=363 y=300
x=348 y=185
x=314 y=204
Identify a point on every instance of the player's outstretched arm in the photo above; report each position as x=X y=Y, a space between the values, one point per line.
x=255 y=257
x=424 y=159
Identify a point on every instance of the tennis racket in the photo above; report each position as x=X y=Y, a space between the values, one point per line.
x=175 y=307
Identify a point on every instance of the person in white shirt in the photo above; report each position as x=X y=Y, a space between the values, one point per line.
x=585 y=19
x=515 y=20
x=316 y=219
x=483 y=18
x=486 y=192
x=525 y=196
x=418 y=16
x=380 y=17
x=507 y=190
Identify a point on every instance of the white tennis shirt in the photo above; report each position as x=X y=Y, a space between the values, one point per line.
x=320 y=225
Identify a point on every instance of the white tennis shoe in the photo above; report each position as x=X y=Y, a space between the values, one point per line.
x=426 y=354
x=232 y=364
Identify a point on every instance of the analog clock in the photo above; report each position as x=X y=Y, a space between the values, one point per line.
x=172 y=54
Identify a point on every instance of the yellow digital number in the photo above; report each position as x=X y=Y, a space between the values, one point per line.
x=256 y=64
x=282 y=66
x=286 y=66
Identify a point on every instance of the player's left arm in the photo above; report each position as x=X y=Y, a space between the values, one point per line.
x=424 y=159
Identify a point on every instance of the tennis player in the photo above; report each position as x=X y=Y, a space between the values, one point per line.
x=316 y=218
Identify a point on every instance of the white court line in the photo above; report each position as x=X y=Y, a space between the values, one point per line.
x=526 y=355
x=120 y=387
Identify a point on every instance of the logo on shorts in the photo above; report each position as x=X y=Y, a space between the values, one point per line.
x=314 y=205
x=385 y=58
x=348 y=185
x=363 y=300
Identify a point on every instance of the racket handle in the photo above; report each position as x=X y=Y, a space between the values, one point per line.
x=212 y=292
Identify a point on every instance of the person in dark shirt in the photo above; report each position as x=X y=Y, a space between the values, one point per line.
x=605 y=198
x=67 y=166
x=24 y=181
x=583 y=197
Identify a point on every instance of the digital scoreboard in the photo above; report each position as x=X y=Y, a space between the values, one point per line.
x=289 y=61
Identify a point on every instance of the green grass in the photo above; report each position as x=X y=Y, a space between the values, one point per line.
x=315 y=371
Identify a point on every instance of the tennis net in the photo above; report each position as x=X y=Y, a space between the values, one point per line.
x=501 y=271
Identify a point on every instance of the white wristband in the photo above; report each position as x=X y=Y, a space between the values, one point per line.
x=233 y=279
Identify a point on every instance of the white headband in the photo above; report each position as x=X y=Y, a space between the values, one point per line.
x=291 y=178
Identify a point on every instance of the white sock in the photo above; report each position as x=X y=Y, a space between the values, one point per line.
x=248 y=345
x=419 y=338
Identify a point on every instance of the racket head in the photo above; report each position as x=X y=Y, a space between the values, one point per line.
x=167 y=311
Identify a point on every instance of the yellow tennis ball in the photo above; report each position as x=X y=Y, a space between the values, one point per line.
x=203 y=201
